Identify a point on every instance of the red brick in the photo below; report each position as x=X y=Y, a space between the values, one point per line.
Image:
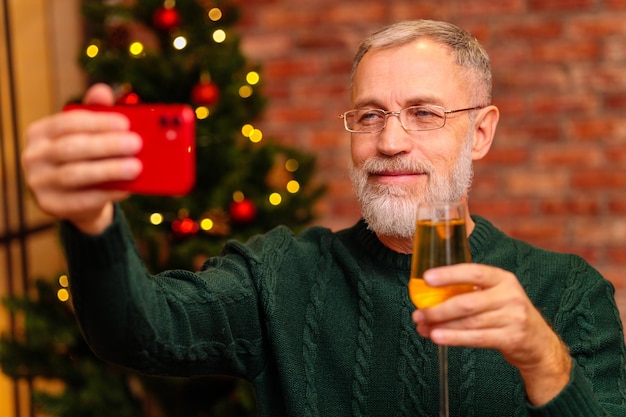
x=564 y=103
x=535 y=183
x=558 y=156
x=562 y=5
x=490 y=7
x=532 y=131
x=617 y=205
x=540 y=230
x=617 y=255
x=598 y=26
x=291 y=67
x=615 y=4
x=602 y=78
x=503 y=207
x=536 y=78
x=570 y=206
x=506 y=156
x=528 y=30
x=599 y=179
x=595 y=128
x=510 y=106
x=615 y=101
x=574 y=50
x=605 y=232
x=616 y=155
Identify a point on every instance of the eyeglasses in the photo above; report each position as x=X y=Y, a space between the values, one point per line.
x=413 y=118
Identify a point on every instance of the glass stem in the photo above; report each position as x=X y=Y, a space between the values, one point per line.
x=443 y=381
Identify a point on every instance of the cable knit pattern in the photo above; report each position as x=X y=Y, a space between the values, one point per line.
x=413 y=386
x=320 y=324
x=364 y=351
x=468 y=383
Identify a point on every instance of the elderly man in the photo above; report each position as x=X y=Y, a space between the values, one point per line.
x=321 y=323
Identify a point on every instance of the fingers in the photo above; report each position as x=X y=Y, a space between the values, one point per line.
x=479 y=275
x=68 y=156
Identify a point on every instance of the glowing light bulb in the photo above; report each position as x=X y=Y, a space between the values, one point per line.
x=238 y=196
x=215 y=14
x=292 y=165
x=136 y=48
x=64 y=281
x=246 y=130
x=156 y=218
x=275 y=199
x=245 y=91
x=180 y=42
x=219 y=36
x=252 y=78
x=202 y=112
x=92 y=51
x=293 y=186
x=256 y=136
x=206 y=224
x=63 y=295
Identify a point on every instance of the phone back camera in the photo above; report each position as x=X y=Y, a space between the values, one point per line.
x=170 y=124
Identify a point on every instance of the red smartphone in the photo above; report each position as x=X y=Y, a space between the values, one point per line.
x=168 y=151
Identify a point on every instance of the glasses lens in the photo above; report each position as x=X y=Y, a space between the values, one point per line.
x=422 y=118
x=364 y=120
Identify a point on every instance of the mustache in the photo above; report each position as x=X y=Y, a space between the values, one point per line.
x=378 y=165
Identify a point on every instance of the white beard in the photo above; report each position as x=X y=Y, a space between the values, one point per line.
x=390 y=210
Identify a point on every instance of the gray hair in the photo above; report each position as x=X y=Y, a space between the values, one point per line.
x=465 y=48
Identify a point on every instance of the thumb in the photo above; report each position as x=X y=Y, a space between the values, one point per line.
x=99 y=93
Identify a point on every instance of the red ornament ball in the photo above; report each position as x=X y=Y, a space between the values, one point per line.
x=185 y=226
x=128 y=98
x=166 y=18
x=205 y=93
x=243 y=211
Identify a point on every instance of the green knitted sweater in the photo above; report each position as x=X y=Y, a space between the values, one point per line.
x=320 y=324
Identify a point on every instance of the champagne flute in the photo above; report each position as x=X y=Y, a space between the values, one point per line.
x=440 y=239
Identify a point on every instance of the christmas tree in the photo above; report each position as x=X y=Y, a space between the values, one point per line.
x=173 y=52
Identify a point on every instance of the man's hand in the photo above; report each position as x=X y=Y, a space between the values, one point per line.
x=68 y=155
x=498 y=315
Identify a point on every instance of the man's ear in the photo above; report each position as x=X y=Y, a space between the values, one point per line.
x=484 y=131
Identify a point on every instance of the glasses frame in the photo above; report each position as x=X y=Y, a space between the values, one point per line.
x=388 y=113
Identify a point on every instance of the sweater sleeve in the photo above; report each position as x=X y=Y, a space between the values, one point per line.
x=175 y=323
x=589 y=323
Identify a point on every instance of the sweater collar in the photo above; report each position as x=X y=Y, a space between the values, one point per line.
x=482 y=236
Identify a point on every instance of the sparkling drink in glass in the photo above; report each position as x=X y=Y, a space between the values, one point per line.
x=440 y=239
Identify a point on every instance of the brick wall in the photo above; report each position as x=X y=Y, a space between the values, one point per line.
x=557 y=171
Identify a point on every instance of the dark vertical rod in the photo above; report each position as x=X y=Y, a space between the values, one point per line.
x=5 y=202
x=5 y=194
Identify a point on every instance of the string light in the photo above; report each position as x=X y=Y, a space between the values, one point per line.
x=206 y=224
x=180 y=42
x=202 y=112
x=92 y=51
x=245 y=91
x=238 y=196
x=253 y=78
x=63 y=294
x=292 y=165
x=136 y=49
x=275 y=199
x=215 y=14
x=255 y=136
x=156 y=218
x=293 y=186
x=246 y=130
x=219 y=36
